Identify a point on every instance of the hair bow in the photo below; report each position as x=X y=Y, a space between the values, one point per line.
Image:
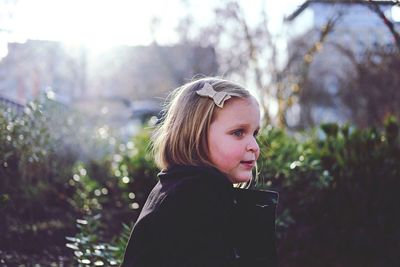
x=218 y=97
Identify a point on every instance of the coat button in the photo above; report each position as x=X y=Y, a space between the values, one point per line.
x=234 y=201
x=237 y=256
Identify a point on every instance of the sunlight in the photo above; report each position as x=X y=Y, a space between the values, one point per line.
x=96 y=24
x=396 y=13
x=101 y=24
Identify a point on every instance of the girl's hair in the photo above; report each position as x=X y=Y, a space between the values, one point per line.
x=181 y=136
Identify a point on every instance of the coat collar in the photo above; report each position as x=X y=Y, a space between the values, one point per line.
x=182 y=171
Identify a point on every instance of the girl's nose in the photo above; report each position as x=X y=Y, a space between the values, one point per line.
x=253 y=145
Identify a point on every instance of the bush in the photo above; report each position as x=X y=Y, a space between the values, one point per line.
x=338 y=190
x=111 y=201
x=55 y=168
x=338 y=195
x=33 y=174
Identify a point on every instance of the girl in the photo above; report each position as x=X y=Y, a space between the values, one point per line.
x=194 y=216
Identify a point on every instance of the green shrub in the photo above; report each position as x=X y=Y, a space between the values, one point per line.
x=88 y=250
x=33 y=173
x=121 y=185
x=338 y=189
x=338 y=194
x=42 y=147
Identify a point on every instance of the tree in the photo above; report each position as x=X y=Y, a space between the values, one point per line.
x=372 y=94
x=252 y=54
x=370 y=90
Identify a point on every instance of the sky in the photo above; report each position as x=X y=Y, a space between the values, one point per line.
x=105 y=23
x=101 y=24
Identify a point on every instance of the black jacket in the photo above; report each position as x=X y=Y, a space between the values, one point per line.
x=194 y=217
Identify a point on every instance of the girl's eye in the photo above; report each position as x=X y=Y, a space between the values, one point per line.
x=255 y=133
x=238 y=133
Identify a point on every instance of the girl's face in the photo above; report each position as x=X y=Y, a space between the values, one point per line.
x=232 y=140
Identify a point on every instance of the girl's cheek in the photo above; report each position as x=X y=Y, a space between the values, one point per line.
x=258 y=151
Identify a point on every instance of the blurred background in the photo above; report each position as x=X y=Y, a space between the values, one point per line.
x=82 y=84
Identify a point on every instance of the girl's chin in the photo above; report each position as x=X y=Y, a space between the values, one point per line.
x=241 y=179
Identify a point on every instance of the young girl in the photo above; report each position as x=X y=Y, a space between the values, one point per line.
x=195 y=216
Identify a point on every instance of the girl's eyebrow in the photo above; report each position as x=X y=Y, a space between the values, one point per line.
x=243 y=125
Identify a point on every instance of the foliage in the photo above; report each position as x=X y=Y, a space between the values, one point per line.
x=113 y=197
x=338 y=192
x=86 y=246
x=89 y=250
x=337 y=184
x=33 y=172
x=55 y=168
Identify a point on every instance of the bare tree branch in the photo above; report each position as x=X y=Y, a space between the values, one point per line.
x=375 y=8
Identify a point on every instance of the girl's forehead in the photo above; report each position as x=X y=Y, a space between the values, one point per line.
x=236 y=104
x=239 y=110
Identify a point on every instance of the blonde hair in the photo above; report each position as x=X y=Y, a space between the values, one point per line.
x=181 y=136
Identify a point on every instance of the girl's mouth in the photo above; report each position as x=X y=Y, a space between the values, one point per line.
x=249 y=164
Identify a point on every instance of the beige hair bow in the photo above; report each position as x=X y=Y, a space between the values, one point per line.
x=218 y=97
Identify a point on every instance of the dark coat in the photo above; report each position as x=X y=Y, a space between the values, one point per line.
x=194 y=217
